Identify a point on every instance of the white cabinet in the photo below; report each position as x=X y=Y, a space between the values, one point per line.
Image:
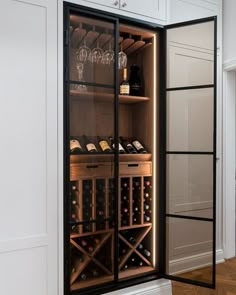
x=28 y=153
x=111 y=3
x=154 y=9
x=184 y=10
x=151 y=8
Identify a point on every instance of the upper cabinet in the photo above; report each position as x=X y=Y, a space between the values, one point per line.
x=154 y=9
x=185 y=10
x=151 y=8
x=111 y=3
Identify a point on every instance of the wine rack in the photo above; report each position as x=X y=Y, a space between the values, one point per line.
x=135 y=225
x=92 y=222
x=91 y=258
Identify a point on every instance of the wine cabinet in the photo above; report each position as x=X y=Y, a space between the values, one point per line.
x=136 y=166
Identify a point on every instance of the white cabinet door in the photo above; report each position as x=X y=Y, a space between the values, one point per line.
x=28 y=149
x=184 y=10
x=150 y=8
x=111 y=3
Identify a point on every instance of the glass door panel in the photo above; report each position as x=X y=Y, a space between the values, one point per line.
x=190 y=50
x=191 y=152
x=90 y=102
x=191 y=191
x=183 y=242
x=190 y=120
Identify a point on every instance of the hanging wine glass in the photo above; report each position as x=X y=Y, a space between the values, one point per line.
x=80 y=69
x=83 y=53
x=96 y=54
x=108 y=56
x=122 y=59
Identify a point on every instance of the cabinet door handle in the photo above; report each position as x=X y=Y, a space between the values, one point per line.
x=132 y=165
x=116 y=2
x=92 y=166
x=124 y=4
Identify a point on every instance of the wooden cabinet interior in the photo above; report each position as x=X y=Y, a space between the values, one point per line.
x=91 y=175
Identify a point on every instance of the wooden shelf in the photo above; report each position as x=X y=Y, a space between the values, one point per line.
x=101 y=96
x=135 y=271
x=99 y=232
x=135 y=226
x=91 y=282
x=93 y=158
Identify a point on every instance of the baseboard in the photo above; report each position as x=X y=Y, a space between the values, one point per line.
x=157 y=287
x=194 y=262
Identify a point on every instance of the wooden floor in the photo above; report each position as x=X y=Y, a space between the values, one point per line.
x=225 y=282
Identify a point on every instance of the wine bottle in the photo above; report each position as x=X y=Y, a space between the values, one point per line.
x=146 y=252
x=73 y=217
x=95 y=273
x=84 y=243
x=124 y=198
x=132 y=240
x=147 y=183
x=140 y=263
x=146 y=195
x=135 y=81
x=125 y=210
x=147 y=218
x=90 y=249
x=140 y=246
x=138 y=146
x=112 y=143
x=125 y=184
x=124 y=85
x=83 y=276
x=73 y=187
x=104 y=145
x=146 y=206
x=75 y=146
x=89 y=145
x=100 y=213
x=96 y=241
x=128 y=146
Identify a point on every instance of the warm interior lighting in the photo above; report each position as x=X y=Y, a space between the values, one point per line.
x=154 y=148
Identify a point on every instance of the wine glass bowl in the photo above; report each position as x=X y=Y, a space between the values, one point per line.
x=96 y=55
x=122 y=60
x=83 y=53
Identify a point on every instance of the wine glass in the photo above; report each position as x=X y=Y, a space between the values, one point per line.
x=82 y=54
x=80 y=69
x=122 y=59
x=96 y=54
x=108 y=56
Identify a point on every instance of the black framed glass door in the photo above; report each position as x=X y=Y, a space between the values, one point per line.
x=91 y=161
x=190 y=152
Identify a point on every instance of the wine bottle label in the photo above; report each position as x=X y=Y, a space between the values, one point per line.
x=74 y=144
x=90 y=146
x=137 y=145
x=104 y=145
x=124 y=89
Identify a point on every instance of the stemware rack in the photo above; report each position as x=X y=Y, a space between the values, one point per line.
x=129 y=42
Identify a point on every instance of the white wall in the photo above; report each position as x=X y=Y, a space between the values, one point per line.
x=229 y=25
x=228 y=123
